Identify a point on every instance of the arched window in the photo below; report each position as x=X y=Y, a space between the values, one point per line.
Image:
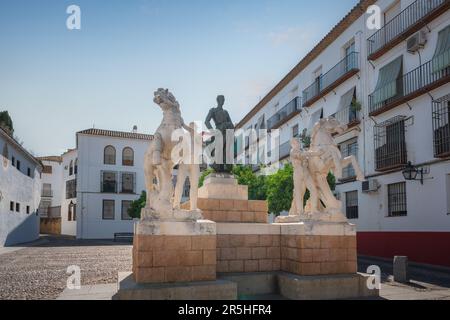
x=75 y=169
x=71 y=168
x=127 y=157
x=109 y=155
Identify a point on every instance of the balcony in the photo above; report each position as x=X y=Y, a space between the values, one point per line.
x=344 y=70
x=46 y=193
x=50 y=212
x=348 y=116
x=284 y=114
x=285 y=150
x=409 y=21
x=413 y=84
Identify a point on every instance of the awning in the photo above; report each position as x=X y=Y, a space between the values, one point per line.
x=261 y=123
x=387 y=81
x=441 y=58
x=346 y=99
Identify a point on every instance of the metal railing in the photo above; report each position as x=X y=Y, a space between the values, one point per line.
x=50 y=212
x=327 y=81
x=285 y=150
x=390 y=144
x=441 y=126
x=284 y=113
x=402 y=23
x=46 y=193
x=347 y=115
x=410 y=84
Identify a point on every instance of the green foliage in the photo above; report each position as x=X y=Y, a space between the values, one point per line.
x=205 y=173
x=356 y=105
x=257 y=186
x=6 y=122
x=136 y=206
x=280 y=186
x=305 y=139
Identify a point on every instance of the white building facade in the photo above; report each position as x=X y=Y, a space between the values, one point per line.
x=20 y=188
x=110 y=175
x=391 y=87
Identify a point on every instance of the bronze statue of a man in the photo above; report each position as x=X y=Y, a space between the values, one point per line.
x=222 y=121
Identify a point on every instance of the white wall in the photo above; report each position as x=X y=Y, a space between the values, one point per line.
x=89 y=197
x=18 y=227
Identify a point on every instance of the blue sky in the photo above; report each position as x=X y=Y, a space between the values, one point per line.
x=55 y=82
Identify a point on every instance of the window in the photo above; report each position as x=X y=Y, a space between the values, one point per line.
x=75 y=168
x=397 y=200
x=351 y=204
x=17 y=207
x=128 y=182
x=13 y=161
x=71 y=189
x=44 y=206
x=47 y=190
x=125 y=206
x=11 y=206
x=441 y=126
x=29 y=172
x=350 y=57
x=392 y=12
x=18 y=165
x=295 y=131
x=127 y=157
x=349 y=148
x=390 y=144
x=71 y=168
x=5 y=151
x=109 y=182
x=389 y=85
x=28 y=209
x=109 y=155
x=108 y=210
x=71 y=213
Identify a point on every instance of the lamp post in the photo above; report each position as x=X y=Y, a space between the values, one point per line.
x=411 y=172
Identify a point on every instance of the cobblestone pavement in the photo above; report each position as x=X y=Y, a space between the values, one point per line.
x=39 y=271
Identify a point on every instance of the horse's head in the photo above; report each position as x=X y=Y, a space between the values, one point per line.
x=332 y=126
x=165 y=100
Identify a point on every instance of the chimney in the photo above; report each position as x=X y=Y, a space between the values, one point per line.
x=134 y=129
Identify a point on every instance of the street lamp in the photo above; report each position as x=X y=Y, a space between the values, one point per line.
x=411 y=172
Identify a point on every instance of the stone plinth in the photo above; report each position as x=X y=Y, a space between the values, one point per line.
x=226 y=210
x=169 y=252
x=128 y=289
x=222 y=187
x=248 y=247
x=318 y=248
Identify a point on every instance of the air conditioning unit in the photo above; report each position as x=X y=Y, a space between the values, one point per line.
x=416 y=42
x=370 y=185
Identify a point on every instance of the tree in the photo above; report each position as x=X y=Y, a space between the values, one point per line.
x=280 y=189
x=6 y=122
x=202 y=178
x=257 y=185
x=136 y=206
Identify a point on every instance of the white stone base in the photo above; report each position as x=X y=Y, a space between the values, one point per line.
x=317 y=216
x=175 y=228
x=223 y=187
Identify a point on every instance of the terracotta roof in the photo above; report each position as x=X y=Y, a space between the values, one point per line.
x=50 y=158
x=351 y=17
x=116 y=134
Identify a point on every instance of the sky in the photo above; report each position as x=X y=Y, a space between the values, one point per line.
x=55 y=81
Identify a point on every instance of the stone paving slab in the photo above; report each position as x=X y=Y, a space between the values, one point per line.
x=91 y=292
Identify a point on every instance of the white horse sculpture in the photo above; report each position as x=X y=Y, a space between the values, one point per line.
x=158 y=163
x=312 y=167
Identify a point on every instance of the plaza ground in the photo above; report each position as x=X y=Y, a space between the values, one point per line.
x=38 y=271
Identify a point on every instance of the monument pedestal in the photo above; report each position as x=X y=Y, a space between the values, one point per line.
x=222 y=186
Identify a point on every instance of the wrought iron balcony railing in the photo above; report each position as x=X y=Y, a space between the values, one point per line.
x=46 y=193
x=348 y=116
x=342 y=71
x=411 y=85
x=284 y=114
x=407 y=22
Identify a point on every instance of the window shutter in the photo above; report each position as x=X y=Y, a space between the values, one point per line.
x=387 y=81
x=441 y=58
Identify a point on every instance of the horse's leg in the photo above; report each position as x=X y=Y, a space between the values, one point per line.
x=149 y=177
x=337 y=160
x=328 y=198
x=181 y=178
x=194 y=177
x=352 y=160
